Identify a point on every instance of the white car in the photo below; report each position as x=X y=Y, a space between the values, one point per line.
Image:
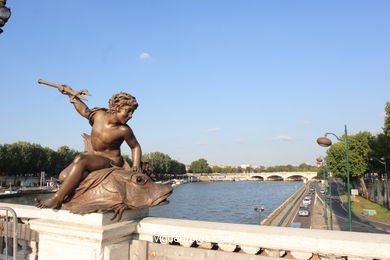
x=304 y=211
x=306 y=201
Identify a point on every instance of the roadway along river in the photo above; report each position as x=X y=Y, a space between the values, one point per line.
x=231 y=202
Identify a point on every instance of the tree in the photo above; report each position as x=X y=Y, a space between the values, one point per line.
x=387 y=120
x=176 y=168
x=159 y=163
x=200 y=166
x=358 y=151
x=128 y=159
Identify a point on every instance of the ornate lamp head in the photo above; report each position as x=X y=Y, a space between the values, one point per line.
x=324 y=141
x=5 y=14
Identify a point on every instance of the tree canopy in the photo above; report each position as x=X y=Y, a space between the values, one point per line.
x=200 y=166
x=161 y=165
x=358 y=151
x=25 y=158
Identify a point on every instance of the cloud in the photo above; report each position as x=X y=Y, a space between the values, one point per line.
x=284 y=138
x=211 y=130
x=145 y=56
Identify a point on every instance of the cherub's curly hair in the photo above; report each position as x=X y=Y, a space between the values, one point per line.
x=121 y=99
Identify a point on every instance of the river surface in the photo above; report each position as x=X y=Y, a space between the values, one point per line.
x=231 y=202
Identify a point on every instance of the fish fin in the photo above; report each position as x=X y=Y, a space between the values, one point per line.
x=89 y=207
x=92 y=180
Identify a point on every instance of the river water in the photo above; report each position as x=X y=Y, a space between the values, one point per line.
x=231 y=202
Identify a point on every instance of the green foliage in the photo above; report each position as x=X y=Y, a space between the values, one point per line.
x=321 y=172
x=23 y=157
x=159 y=162
x=128 y=159
x=380 y=150
x=387 y=120
x=162 y=165
x=290 y=168
x=177 y=168
x=359 y=149
x=200 y=166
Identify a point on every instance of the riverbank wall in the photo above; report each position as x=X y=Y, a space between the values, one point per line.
x=280 y=216
x=379 y=192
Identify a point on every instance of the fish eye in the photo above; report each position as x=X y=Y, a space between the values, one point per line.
x=140 y=180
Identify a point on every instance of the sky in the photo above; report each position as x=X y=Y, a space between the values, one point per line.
x=234 y=82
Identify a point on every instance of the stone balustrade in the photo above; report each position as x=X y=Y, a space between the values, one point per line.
x=265 y=240
x=95 y=236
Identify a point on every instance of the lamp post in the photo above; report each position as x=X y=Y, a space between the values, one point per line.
x=326 y=142
x=5 y=13
x=260 y=210
x=321 y=162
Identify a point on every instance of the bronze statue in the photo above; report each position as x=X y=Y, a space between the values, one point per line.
x=115 y=190
x=80 y=191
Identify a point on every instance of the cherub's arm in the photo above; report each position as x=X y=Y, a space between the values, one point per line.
x=80 y=106
x=136 y=151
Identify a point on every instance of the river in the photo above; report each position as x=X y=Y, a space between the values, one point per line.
x=231 y=202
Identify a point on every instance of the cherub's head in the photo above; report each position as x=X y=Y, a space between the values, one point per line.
x=122 y=104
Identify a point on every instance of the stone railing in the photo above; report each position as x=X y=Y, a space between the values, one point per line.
x=63 y=235
x=278 y=242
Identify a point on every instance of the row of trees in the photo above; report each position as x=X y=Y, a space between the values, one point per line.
x=202 y=166
x=23 y=158
x=162 y=166
x=26 y=158
x=367 y=154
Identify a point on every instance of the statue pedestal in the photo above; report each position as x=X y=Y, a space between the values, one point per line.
x=63 y=235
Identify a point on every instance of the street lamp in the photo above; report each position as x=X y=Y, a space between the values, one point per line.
x=321 y=162
x=5 y=13
x=326 y=142
x=260 y=210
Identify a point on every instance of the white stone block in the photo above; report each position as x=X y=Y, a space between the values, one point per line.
x=89 y=236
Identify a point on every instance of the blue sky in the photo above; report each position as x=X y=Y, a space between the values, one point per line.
x=234 y=82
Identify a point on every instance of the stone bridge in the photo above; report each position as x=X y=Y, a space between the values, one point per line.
x=262 y=176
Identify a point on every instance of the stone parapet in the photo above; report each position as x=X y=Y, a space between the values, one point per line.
x=274 y=241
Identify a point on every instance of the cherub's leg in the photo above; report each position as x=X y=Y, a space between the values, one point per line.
x=65 y=172
x=73 y=176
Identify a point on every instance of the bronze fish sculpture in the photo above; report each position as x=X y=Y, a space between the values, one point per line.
x=116 y=189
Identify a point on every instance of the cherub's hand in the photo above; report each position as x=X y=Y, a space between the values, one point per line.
x=136 y=169
x=65 y=89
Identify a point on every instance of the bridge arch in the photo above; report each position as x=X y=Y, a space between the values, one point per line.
x=258 y=177
x=295 y=177
x=274 y=178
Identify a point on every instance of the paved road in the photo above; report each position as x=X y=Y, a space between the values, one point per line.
x=340 y=211
x=305 y=221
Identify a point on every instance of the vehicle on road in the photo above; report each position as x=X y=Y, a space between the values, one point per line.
x=295 y=225
x=306 y=201
x=304 y=210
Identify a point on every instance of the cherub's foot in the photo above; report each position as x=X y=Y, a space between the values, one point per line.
x=52 y=203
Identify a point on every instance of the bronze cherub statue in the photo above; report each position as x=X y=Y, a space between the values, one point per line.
x=99 y=180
